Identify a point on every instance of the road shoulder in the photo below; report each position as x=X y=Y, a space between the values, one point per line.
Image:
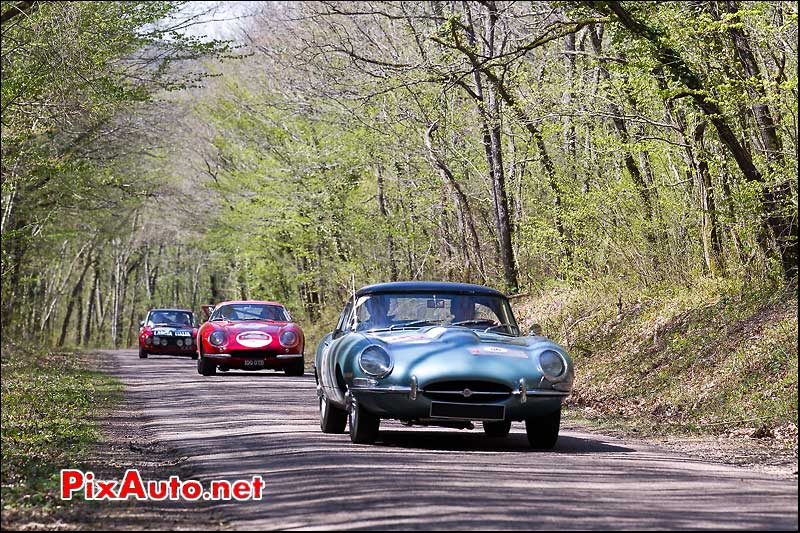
x=128 y=443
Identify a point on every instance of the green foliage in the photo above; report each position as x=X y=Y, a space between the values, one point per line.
x=51 y=404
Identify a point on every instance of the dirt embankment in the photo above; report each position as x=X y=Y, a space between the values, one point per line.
x=707 y=362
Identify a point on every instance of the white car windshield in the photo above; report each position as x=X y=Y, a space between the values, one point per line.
x=411 y=310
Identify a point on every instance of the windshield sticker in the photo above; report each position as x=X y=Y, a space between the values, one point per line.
x=254 y=339
x=498 y=352
x=408 y=337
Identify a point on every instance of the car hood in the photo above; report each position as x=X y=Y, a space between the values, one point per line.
x=234 y=327
x=437 y=353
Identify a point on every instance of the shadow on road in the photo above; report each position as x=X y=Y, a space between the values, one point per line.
x=475 y=440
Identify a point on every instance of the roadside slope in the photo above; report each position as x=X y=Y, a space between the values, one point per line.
x=703 y=359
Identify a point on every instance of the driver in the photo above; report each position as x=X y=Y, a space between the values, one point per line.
x=463 y=308
x=378 y=307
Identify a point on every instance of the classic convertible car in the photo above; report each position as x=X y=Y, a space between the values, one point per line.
x=444 y=354
x=168 y=332
x=249 y=335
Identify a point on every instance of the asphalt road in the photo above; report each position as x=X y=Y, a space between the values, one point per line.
x=238 y=424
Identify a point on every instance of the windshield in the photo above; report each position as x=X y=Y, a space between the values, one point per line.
x=401 y=311
x=250 y=312
x=170 y=318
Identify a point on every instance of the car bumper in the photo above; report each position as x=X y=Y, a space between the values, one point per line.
x=411 y=403
x=278 y=361
x=170 y=350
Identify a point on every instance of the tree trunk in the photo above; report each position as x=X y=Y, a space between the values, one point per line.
x=776 y=201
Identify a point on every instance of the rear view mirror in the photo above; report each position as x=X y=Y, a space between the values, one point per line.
x=535 y=331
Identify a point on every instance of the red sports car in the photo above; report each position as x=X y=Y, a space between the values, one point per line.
x=250 y=335
x=168 y=332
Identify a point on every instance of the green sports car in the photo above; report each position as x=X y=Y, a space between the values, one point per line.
x=438 y=354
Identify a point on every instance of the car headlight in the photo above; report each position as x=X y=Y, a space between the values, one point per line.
x=289 y=338
x=164 y=341
x=179 y=342
x=375 y=361
x=217 y=338
x=148 y=340
x=552 y=364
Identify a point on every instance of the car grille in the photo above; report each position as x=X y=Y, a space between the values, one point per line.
x=252 y=354
x=468 y=392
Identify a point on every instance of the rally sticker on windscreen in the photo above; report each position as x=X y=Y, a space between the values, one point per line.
x=498 y=351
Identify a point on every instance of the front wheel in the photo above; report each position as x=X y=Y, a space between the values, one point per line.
x=364 y=426
x=295 y=369
x=331 y=418
x=205 y=367
x=142 y=353
x=543 y=430
x=497 y=429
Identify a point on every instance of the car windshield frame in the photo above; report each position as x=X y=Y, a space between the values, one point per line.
x=151 y=322
x=220 y=312
x=503 y=323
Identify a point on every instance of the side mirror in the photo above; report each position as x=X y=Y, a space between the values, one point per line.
x=141 y=323
x=535 y=331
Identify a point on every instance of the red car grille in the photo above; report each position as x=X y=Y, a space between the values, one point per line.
x=253 y=354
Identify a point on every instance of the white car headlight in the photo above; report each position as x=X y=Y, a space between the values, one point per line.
x=552 y=364
x=375 y=361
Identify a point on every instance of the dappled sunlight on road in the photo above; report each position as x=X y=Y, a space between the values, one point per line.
x=239 y=424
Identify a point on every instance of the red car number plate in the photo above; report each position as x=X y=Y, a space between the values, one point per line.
x=253 y=362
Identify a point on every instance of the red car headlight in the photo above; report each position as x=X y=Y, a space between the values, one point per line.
x=289 y=338
x=217 y=338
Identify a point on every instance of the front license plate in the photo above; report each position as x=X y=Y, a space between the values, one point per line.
x=465 y=411
x=253 y=362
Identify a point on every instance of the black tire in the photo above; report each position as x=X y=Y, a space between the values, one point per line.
x=297 y=368
x=142 y=353
x=205 y=367
x=331 y=418
x=543 y=430
x=497 y=429
x=364 y=426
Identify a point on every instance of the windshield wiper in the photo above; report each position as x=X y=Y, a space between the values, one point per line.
x=476 y=321
x=509 y=326
x=415 y=323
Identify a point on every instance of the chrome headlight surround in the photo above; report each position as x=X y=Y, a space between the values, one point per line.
x=217 y=338
x=552 y=365
x=289 y=338
x=375 y=361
